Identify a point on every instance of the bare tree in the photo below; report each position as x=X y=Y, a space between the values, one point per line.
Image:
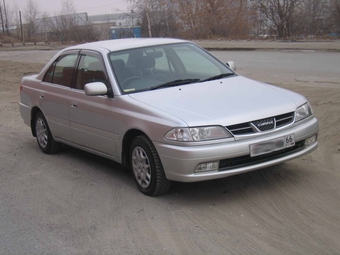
x=2 y=19
x=316 y=17
x=45 y=26
x=7 y=16
x=67 y=19
x=16 y=21
x=191 y=17
x=163 y=23
x=68 y=25
x=313 y=11
x=31 y=13
x=157 y=16
x=213 y=18
x=63 y=22
x=335 y=15
x=282 y=15
x=145 y=7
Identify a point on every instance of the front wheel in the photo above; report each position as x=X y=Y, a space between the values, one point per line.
x=147 y=168
x=44 y=137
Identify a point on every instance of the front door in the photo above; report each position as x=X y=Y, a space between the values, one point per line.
x=91 y=117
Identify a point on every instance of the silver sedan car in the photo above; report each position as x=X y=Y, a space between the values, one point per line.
x=166 y=109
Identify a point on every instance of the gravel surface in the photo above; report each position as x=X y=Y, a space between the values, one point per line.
x=77 y=203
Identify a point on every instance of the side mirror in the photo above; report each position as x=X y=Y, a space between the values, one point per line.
x=95 y=89
x=232 y=65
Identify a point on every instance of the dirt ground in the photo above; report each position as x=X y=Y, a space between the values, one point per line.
x=77 y=203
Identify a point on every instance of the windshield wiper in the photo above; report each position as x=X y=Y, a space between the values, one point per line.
x=216 y=77
x=175 y=83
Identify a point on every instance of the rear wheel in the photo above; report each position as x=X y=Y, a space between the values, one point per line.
x=44 y=137
x=147 y=168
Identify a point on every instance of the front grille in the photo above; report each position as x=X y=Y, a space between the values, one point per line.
x=284 y=119
x=241 y=129
x=232 y=163
x=265 y=124
x=262 y=125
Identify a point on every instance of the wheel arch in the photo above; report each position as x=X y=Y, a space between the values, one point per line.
x=34 y=112
x=126 y=144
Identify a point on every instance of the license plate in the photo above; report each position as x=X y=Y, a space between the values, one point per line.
x=272 y=145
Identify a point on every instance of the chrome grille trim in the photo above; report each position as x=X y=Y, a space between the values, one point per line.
x=241 y=129
x=262 y=125
x=284 y=119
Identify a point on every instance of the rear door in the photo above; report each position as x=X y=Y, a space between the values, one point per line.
x=54 y=100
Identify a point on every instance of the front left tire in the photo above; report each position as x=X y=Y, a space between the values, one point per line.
x=147 y=168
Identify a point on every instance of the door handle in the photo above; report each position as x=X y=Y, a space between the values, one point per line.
x=41 y=96
x=74 y=105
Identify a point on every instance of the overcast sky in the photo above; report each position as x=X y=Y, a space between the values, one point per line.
x=92 y=7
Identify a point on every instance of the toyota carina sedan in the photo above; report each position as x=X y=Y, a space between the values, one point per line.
x=166 y=109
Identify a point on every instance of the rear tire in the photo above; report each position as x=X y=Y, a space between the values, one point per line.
x=147 y=168
x=44 y=137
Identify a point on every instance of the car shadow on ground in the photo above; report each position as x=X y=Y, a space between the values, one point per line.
x=258 y=181
x=102 y=164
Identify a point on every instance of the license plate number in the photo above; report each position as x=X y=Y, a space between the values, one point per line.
x=272 y=145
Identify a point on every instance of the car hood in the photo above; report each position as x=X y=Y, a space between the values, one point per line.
x=222 y=102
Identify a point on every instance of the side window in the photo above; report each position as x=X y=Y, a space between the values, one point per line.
x=61 y=72
x=49 y=74
x=90 y=69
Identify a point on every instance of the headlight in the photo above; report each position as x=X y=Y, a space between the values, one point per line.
x=196 y=134
x=303 y=112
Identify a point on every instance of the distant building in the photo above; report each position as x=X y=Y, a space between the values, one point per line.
x=118 y=19
x=103 y=23
x=53 y=28
x=125 y=32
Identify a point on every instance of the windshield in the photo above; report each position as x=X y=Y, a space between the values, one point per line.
x=164 y=66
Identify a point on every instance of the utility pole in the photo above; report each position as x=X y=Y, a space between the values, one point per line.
x=22 y=31
x=2 y=20
x=5 y=17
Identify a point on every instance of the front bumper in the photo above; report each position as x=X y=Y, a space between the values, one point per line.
x=180 y=162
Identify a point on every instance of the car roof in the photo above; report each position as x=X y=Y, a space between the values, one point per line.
x=123 y=44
